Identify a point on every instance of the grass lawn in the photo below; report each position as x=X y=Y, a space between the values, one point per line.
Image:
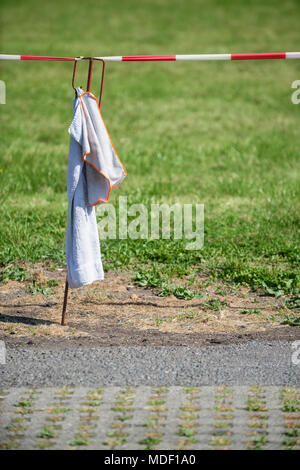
x=223 y=134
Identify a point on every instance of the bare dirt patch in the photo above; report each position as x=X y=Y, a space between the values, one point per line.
x=116 y=312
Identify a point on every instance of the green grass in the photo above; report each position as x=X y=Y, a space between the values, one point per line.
x=219 y=133
x=258 y=442
x=47 y=433
x=285 y=319
x=80 y=442
x=251 y=311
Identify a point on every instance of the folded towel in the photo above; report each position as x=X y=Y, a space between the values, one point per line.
x=93 y=170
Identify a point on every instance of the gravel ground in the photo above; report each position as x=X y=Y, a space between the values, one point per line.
x=266 y=363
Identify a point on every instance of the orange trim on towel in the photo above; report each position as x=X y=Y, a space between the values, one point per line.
x=87 y=153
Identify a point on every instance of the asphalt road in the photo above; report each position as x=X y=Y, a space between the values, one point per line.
x=266 y=363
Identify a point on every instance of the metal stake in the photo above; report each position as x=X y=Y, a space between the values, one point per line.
x=64 y=310
x=65 y=303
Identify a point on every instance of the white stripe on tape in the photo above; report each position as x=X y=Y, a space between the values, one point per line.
x=9 y=57
x=116 y=58
x=204 y=57
x=292 y=55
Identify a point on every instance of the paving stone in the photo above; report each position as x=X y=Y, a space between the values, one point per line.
x=206 y=417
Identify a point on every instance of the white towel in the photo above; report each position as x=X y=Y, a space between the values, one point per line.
x=93 y=170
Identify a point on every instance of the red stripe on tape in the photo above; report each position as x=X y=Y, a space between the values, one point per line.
x=147 y=57
x=41 y=57
x=270 y=55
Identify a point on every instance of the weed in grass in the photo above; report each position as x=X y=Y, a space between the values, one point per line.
x=291 y=406
x=257 y=442
x=89 y=418
x=186 y=432
x=287 y=391
x=117 y=425
x=156 y=402
x=161 y=390
x=121 y=409
x=58 y=410
x=189 y=416
x=89 y=411
x=96 y=397
x=117 y=434
x=156 y=408
x=222 y=424
x=179 y=292
x=44 y=444
x=157 y=397
x=188 y=424
x=255 y=404
x=224 y=390
x=221 y=433
x=14 y=273
x=9 y=445
x=191 y=315
x=92 y=403
x=225 y=417
x=23 y=411
x=115 y=442
x=86 y=427
x=149 y=442
x=251 y=311
x=292 y=416
x=149 y=279
x=15 y=428
x=258 y=417
x=293 y=303
x=214 y=304
x=285 y=319
x=257 y=424
x=124 y=401
x=189 y=407
x=257 y=389
x=158 y=321
x=79 y=442
x=60 y=400
x=24 y=404
x=223 y=408
x=127 y=392
x=292 y=432
x=194 y=398
x=185 y=443
x=191 y=390
x=290 y=320
x=96 y=391
x=55 y=419
x=64 y=391
x=47 y=433
x=16 y=437
x=291 y=424
x=83 y=435
x=222 y=401
x=223 y=292
x=289 y=443
x=222 y=397
x=44 y=288
x=123 y=417
x=220 y=441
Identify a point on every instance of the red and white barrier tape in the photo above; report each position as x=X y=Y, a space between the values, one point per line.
x=145 y=58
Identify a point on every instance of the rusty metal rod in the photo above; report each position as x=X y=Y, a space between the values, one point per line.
x=64 y=310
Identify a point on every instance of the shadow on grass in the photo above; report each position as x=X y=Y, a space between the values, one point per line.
x=25 y=320
x=53 y=304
